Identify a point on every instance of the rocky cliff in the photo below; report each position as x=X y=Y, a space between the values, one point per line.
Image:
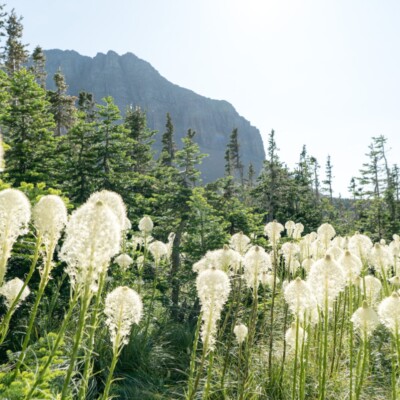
x=132 y=81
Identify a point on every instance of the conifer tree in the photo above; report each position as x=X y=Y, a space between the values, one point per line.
x=87 y=105
x=328 y=178
x=110 y=148
x=168 y=150
x=15 y=52
x=27 y=130
x=62 y=105
x=39 y=66
x=141 y=140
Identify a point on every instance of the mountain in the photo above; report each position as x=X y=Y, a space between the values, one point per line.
x=132 y=81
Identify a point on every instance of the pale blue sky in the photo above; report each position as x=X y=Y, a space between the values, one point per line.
x=321 y=73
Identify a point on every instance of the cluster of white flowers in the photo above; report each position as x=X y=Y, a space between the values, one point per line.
x=240 y=332
x=124 y=260
x=123 y=308
x=213 y=288
x=93 y=236
x=273 y=231
x=158 y=250
x=49 y=217
x=380 y=259
x=325 y=233
x=300 y=298
x=326 y=279
x=365 y=320
x=361 y=246
x=256 y=261
x=389 y=313
x=11 y=289
x=290 y=252
x=116 y=204
x=352 y=266
x=371 y=287
x=146 y=225
x=15 y=214
x=240 y=243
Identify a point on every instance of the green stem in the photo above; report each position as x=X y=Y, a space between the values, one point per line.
x=5 y=323
x=78 y=336
x=271 y=333
x=92 y=330
x=209 y=374
x=322 y=388
x=294 y=387
x=362 y=371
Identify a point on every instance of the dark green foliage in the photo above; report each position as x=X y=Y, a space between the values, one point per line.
x=38 y=67
x=27 y=129
x=15 y=53
x=168 y=150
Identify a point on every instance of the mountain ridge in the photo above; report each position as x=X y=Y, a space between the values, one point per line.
x=133 y=81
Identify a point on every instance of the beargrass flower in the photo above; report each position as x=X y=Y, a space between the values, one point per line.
x=326 y=279
x=372 y=287
x=123 y=260
x=298 y=230
x=123 y=308
x=299 y=297
x=255 y=262
x=325 y=233
x=93 y=237
x=380 y=259
x=240 y=332
x=365 y=320
x=158 y=250
x=49 y=217
x=352 y=266
x=389 y=312
x=146 y=225
x=290 y=252
x=116 y=204
x=273 y=231
x=15 y=214
x=213 y=288
x=240 y=242
x=360 y=245
x=290 y=226
x=11 y=289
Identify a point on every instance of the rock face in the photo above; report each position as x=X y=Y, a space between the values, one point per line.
x=132 y=81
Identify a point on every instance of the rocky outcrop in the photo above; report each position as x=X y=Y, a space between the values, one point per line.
x=132 y=81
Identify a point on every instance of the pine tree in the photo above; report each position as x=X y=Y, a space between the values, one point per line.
x=79 y=167
x=39 y=66
x=15 y=52
x=188 y=158
x=110 y=148
x=168 y=150
x=232 y=156
x=87 y=105
x=62 y=105
x=328 y=178
x=27 y=129
x=141 y=140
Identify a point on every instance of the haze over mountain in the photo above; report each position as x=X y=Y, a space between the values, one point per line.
x=132 y=81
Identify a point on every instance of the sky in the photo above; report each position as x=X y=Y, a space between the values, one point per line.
x=321 y=73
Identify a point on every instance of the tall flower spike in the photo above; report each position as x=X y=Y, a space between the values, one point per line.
x=240 y=242
x=93 y=236
x=116 y=204
x=225 y=259
x=326 y=279
x=290 y=253
x=124 y=261
x=158 y=250
x=372 y=287
x=352 y=266
x=255 y=262
x=240 y=332
x=389 y=312
x=299 y=297
x=325 y=233
x=123 y=308
x=360 y=245
x=146 y=225
x=273 y=231
x=380 y=259
x=49 y=218
x=15 y=214
x=365 y=320
x=298 y=230
x=290 y=226
x=11 y=289
x=213 y=288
